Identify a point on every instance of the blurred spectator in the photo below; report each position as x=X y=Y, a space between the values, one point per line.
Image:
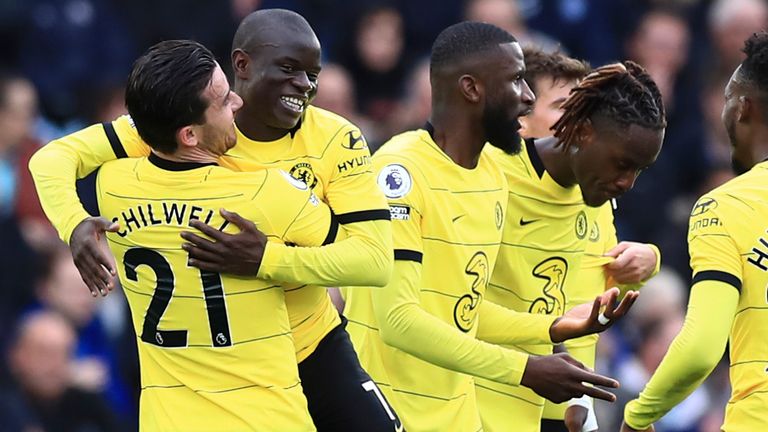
x=416 y=106
x=731 y=22
x=336 y=93
x=660 y=43
x=589 y=29
x=18 y=202
x=212 y=23
x=95 y=365
x=70 y=46
x=506 y=14
x=18 y=111
x=38 y=396
x=378 y=63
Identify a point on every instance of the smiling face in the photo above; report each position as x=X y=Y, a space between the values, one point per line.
x=611 y=157
x=217 y=134
x=508 y=97
x=277 y=77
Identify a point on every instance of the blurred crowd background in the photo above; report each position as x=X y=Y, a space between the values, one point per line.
x=69 y=360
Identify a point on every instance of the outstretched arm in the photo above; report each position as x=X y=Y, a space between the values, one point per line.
x=57 y=166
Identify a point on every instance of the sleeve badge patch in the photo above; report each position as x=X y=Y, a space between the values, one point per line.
x=395 y=181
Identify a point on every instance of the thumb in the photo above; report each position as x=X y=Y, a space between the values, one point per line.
x=104 y=224
x=620 y=262
x=618 y=249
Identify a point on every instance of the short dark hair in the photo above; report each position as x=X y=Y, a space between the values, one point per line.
x=164 y=91
x=556 y=65
x=465 y=39
x=755 y=67
x=252 y=28
x=622 y=92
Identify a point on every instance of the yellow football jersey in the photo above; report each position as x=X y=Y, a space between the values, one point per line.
x=325 y=151
x=449 y=219
x=728 y=242
x=545 y=236
x=216 y=351
x=584 y=285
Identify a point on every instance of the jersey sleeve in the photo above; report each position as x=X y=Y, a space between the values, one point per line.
x=693 y=354
x=364 y=257
x=499 y=325
x=302 y=219
x=351 y=190
x=405 y=325
x=715 y=261
x=56 y=166
x=714 y=254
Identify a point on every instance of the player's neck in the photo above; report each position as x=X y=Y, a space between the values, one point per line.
x=255 y=130
x=192 y=155
x=460 y=140
x=556 y=161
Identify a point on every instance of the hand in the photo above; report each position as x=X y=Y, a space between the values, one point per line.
x=238 y=254
x=575 y=416
x=633 y=263
x=625 y=428
x=560 y=377
x=583 y=319
x=90 y=254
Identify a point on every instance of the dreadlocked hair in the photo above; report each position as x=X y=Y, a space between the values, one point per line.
x=622 y=92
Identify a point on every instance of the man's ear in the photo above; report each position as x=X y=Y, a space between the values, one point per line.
x=241 y=63
x=585 y=134
x=744 y=109
x=471 y=88
x=187 y=136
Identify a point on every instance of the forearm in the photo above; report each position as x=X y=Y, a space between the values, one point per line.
x=499 y=325
x=692 y=355
x=405 y=325
x=54 y=169
x=364 y=258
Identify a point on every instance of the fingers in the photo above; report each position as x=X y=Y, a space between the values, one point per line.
x=626 y=303
x=595 y=309
x=208 y=230
x=201 y=254
x=239 y=221
x=598 y=393
x=588 y=377
x=198 y=241
x=97 y=278
x=104 y=224
x=205 y=265
x=618 y=249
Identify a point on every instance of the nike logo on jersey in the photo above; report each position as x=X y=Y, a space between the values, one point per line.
x=524 y=222
x=458 y=217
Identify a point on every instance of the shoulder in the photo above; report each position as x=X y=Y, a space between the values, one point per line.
x=323 y=125
x=399 y=164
